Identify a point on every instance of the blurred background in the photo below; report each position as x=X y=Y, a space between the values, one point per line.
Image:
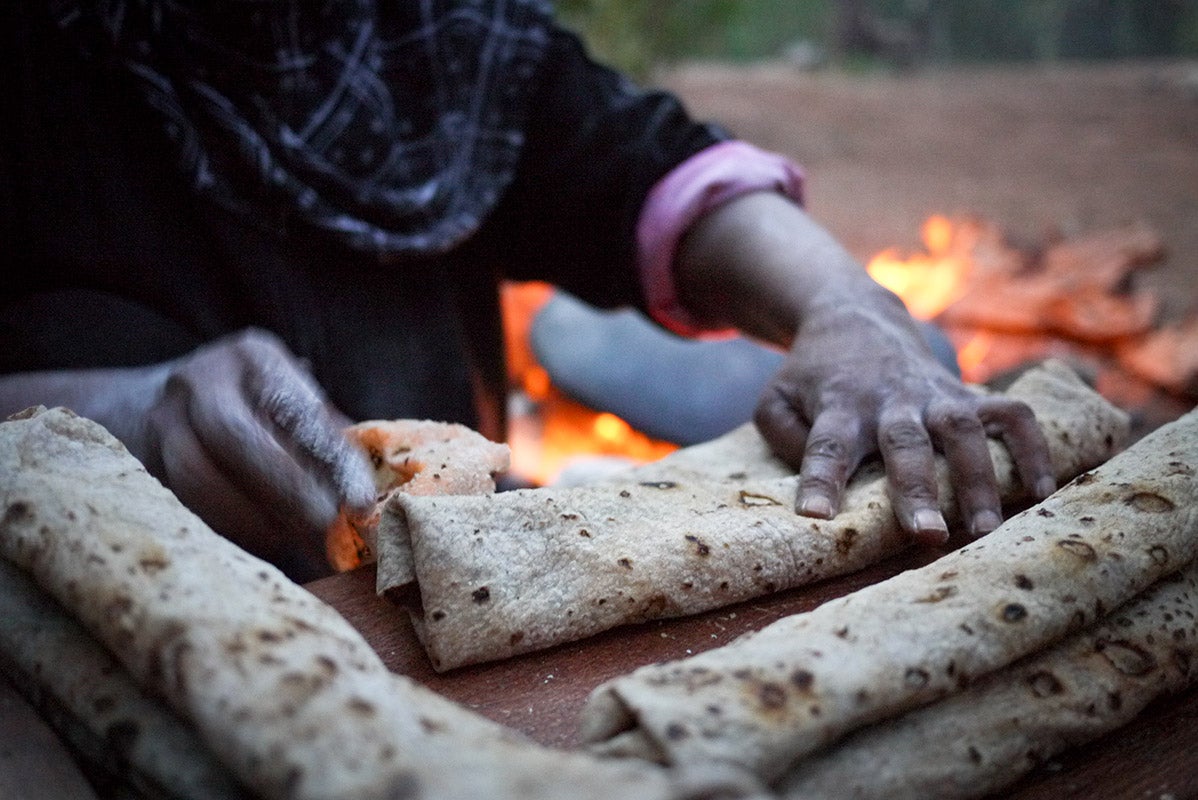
x=638 y=35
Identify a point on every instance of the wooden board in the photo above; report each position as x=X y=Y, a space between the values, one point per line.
x=541 y=693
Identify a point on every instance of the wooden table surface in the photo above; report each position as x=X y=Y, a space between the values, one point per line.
x=1153 y=758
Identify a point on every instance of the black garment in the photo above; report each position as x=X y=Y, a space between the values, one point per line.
x=393 y=126
x=121 y=263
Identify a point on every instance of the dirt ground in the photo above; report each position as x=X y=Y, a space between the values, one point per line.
x=1040 y=150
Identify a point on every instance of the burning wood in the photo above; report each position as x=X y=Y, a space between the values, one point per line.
x=1079 y=290
x=1004 y=306
x=1167 y=357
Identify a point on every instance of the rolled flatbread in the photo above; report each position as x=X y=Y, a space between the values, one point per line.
x=772 y=697
x=976 y=742
x=497 y=575
x=91 y=700
x=278 y=686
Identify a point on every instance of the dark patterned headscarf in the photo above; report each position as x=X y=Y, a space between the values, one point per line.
x=394 y=125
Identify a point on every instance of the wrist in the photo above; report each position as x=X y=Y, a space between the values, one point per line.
x=761 y=264
x=123 y=401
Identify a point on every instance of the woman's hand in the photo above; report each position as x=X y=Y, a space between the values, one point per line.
x=859 y=378
x=241 y=433
x=237 y=429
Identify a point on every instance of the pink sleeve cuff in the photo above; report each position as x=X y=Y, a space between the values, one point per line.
x=702 y=183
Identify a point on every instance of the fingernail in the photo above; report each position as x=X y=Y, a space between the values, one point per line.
x=816 y=505
x=1045 y=486
x=984 y=522
x=926 y=520
x=357 y=491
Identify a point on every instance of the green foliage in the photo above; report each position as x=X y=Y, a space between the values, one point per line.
x=1186 y=39
x=616 y=31
x=988 y=30
x=637 y=35
x=1114 y=28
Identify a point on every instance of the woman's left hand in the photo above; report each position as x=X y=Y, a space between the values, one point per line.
x=859 y=379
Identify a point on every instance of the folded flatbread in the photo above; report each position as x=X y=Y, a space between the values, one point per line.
x=495 y=575
x=278 y=686
x=772 y=697
x=94 y=703
x=413 y=456
x=977 y=742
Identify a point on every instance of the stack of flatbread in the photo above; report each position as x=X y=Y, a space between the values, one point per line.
x=957 y=677
x=489 y=576
x=212 y=675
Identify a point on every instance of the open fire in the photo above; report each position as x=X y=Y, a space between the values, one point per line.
x=1076 y=299
x=1002 y=307
x=547 y=430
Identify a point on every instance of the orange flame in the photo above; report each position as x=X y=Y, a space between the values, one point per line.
x=971 y=356
x=928 y=282
x=546 y=437
x=547 y=430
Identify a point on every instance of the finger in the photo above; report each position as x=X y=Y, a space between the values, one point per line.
x=911 y=475
x=1015 y=423
x=782 y=426
x=249 y=456
x=835 y=447
x=282 y=387
x=958 y=432
x=309 y=427
x=201 y=486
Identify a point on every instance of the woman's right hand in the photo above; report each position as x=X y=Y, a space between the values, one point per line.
x=242 y=434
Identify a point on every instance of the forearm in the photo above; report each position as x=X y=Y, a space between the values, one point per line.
x=117 y=398
x=761 y=264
